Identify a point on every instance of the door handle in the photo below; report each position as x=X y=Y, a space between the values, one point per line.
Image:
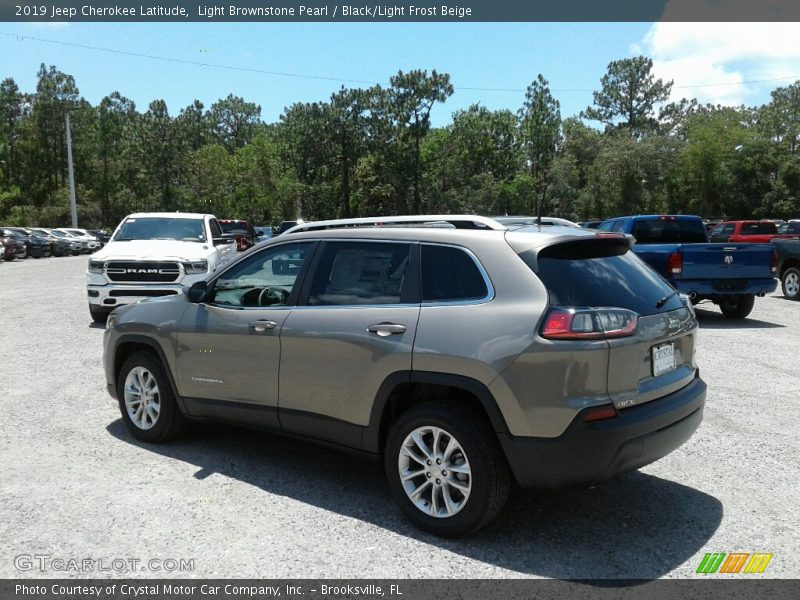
x=386 y=329
x=262 y=326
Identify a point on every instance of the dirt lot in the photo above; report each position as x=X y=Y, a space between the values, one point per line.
x=75 y=485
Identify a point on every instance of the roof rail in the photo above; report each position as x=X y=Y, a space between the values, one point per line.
x=455 y=221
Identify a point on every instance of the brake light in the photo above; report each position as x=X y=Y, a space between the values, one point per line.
x=589 y=323
x=774 y=261
x=675 y=263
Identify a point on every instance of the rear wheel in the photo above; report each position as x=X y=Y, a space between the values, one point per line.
x=146 y=401
x=446 y=469
x=737 y=307
x=790 y=283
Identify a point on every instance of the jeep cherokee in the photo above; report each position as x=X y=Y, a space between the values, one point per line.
x=460 y=352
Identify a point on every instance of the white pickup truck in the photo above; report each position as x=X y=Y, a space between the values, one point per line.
x=155 y=254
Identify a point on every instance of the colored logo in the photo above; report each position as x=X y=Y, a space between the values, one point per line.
x=734 y=562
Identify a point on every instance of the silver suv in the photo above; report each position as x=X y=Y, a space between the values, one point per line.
x=459 y=351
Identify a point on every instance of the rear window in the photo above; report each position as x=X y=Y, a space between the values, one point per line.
x=678 y=231
x=758 y=228
x=613 y=278
x=235 y=227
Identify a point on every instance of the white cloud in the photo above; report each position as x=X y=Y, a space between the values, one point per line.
x=726 y=55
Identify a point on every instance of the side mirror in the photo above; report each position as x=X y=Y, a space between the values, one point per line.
x=196 y=292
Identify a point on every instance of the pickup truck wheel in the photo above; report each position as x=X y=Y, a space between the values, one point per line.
x=146 y=401
x=790 y=283
x=99 y=315
x=737 y=307
x=446 y=469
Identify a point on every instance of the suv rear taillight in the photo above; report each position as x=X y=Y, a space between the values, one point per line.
x=774 y=262
x=675 y=263
x=589 y=323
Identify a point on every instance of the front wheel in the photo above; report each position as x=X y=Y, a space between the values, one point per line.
x=446 y=469
x=737 y=307
x=790 y=283
x=146 y=401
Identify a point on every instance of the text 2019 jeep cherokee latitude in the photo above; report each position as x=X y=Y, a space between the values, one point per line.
x=461 y=352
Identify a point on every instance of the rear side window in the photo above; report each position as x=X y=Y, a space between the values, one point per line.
x=608 y=279
x=450 y=275
x=362 y=273
x=678 y=231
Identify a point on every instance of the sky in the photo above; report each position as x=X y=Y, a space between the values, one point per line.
x=489 y=63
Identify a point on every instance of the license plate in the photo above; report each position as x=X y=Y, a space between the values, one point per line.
x=663 y=358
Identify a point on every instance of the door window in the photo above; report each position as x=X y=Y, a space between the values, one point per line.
x=265 y=279
x=362 y=273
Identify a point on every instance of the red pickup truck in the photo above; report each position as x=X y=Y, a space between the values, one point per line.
x=756 y=232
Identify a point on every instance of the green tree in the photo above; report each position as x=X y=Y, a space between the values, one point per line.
x=540 y=129
x=628 y=97
x=411 y=98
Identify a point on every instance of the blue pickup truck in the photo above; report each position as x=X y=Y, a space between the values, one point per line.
x=730 y=274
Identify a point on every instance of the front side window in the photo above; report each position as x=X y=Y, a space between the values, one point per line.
x=160 y=228
x=362 y=273
x=450 y=275
x=265 y=279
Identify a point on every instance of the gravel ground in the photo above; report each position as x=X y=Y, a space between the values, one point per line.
x=74 y=484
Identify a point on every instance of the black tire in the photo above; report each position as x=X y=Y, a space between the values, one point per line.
x=737 y=307
x=99 y=315
x=790 y=283
x=490 y=475
x=170 y=421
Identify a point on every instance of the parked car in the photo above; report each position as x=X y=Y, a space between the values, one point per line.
x=730 y=275
x=78 y=245
x=13 y=247
x=241 y=230
x=263 y=232
x=789 y=230
x=91 y=243
x=36 y=246
x=286 y=226
x=20 y=239
x=101 y=236
x=788 y=253
x=58 y=246
x=590 y=224
x=460 y=356
x=545 y=221
x=755 y=232
x=154 y=254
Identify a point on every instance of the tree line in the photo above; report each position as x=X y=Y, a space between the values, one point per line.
x=373 y=151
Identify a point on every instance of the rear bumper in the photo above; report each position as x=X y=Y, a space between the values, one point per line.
x=711 y=288
x=588 y=453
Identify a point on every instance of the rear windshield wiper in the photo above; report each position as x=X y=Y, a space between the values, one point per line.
x=666 y=298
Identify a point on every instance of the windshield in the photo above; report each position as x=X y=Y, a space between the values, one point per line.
x=161 y=228
x=60 y=234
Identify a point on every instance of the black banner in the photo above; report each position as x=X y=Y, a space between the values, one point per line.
x=419 y=10
x=744 y=588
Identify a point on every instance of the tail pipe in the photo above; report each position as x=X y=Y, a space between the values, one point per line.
x=762 y=294
x=693 y=295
